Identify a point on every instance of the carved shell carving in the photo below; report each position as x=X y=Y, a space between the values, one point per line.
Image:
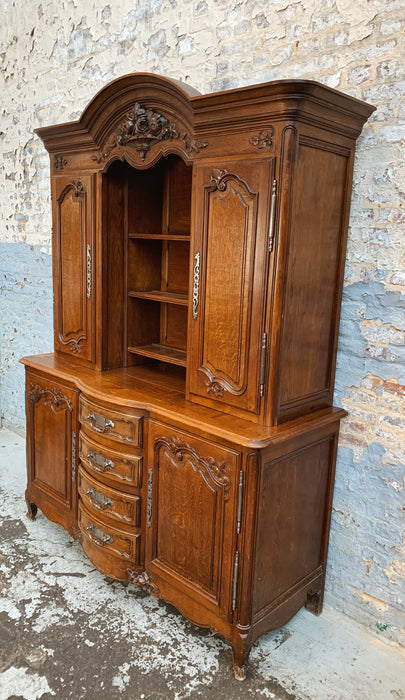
x=143 y=128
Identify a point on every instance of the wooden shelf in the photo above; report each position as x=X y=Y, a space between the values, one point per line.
x=161 y=236
x=162 y=353
x=166 y=297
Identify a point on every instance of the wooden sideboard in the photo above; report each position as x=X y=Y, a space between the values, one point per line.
x=184 y=428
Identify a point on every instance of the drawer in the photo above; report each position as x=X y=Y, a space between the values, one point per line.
x=101 y=540
x=115 y=505
x=124 y=428
x=114 y=467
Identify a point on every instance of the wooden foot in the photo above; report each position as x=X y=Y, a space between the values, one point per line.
x=314 y=602
x=240 y=647
x=240 y=672
x=32 y=509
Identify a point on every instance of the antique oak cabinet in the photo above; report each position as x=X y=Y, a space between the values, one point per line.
x=183 y=428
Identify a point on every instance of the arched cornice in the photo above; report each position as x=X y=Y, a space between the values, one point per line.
x=137 y=117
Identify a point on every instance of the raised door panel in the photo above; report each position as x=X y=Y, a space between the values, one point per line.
x=73 y=207
x=191 y=511
x=229 y=284
x=51 y=449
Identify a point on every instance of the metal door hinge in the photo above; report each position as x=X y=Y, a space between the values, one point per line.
x=240 y=495
x=235 y=580
x=88 y=271
x=263 y=363
x=272 y=215
x=149 y=499
x=73 y=456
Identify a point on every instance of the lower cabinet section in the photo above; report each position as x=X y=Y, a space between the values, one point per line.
x=234 y=534
x=191 y=529
x=52 y=431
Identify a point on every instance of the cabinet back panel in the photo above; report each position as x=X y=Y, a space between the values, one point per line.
x=145 y=191
x=174 y=326
x=178 y=196
x=176 y=277
x=143 y=322
x=307 y=339
x=144 y=265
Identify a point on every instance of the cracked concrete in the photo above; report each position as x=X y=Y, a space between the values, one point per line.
x=67 y=631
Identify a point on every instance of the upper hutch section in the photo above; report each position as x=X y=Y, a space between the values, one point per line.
x=204 y=237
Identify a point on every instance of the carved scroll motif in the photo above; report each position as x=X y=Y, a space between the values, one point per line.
x=177 y=449
x=36 y=393
x=74 y=344
x=217 y=181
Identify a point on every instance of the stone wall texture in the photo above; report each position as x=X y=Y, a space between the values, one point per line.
x=56 y=54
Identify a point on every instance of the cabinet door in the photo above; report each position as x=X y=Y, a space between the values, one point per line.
x=191 y=520
x=231 y=255
x=73 y=252
x=51 y=450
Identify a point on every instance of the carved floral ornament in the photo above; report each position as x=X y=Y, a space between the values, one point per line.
x=143 y=128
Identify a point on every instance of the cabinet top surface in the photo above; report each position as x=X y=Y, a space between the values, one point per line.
x=138 y=388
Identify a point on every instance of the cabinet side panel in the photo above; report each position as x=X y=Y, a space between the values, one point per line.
x=316 y=249
x=291 y=520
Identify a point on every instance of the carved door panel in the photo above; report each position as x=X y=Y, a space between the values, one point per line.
x=231 y=255
x=73 y=251
x=191 y=519
x=52 y=450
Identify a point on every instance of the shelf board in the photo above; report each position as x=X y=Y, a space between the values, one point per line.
x=162 y=353
x=157 y=295
x=161 y=236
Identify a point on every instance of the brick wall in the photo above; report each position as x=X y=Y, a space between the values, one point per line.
x=56 y=54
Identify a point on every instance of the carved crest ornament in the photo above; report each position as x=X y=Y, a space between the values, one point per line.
x=143 y=128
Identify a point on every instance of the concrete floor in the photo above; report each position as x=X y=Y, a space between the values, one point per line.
x=66 y=631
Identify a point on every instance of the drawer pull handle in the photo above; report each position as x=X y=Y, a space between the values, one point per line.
x=99 y=463
x=97 y=536
x=99 y=423
x=98 y=500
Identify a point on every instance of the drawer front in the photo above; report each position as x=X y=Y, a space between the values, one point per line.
x=103 y=537
x=124 y=428
x=115 y=467
x=112 y=504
